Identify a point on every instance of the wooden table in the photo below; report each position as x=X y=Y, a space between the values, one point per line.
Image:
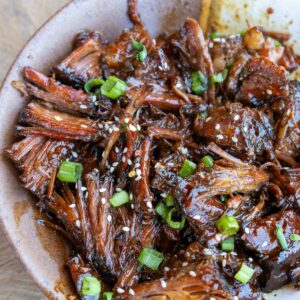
x=19 y=19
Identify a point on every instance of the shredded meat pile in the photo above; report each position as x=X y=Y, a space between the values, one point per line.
x=247 y=124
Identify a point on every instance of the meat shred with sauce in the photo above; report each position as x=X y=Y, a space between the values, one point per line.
x=224 y=106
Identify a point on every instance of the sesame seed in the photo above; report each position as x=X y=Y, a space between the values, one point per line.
x=132 y=206
x=269 y=92
x=116 y=118
x=236 y=117
x=118 y=190
x=192 y=273
x=233 y=253
x=83 y=126
x=247 y=230
x=245 y=128
x=130 y=196
x=211 y=45
x=110 y=130
x=111 y=169
x=74 y=154
x=100 y=125
x=185 y=263
x=77 y=223
x=103 y=200
x=234 y=139
x=212 y=298
x=117 y=150
x=120 y=290
x=126 y=229
x=137 y=165
x=125 y=150
x=131 y=292
x=250 y=259
x=208 y=119
x=138 y=172
x=218 y=126
x=126 y=120
x=166 y=269
x=123 y=159
x=138 y=127
x=218 y=237
x=116 y=129
x=264 y=244
x=115 y=164
x=163 y=284
x=106 y=126
x=57 y=118
x=109 y=218
x=163 y=195
x=72 y=205
x=184 y=150
x=149 y=204
x=83 y=188
x=220 y=136
x=129 y=161
x=102 y=190
x=82 y=106
x=196 y=217
x=131 y=174
x=207 y=251
x=224 y=263
x=138 y=178
x=132 y=128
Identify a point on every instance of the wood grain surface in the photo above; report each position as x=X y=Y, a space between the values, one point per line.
x=19 y=19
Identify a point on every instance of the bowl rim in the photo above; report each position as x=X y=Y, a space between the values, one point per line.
x=41 y=28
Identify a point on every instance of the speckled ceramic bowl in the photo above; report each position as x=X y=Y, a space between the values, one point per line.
x=42 y=251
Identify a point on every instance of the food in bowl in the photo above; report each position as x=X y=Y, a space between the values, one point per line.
x=171 y=164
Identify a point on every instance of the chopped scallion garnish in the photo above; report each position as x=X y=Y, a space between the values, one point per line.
x=277 y=43
x=215 y=35
x=174 y=224
x=119 y=198
x=108 y=295
x=295 y=237
x=281 y=238
x=142 y=50
x=169 y=201
x=188 y=168
x=113 y=87
x=218 y=78
x=69 y=171
x=90 y=286
x=93 y=86
x=228 y=244
x=199 y=82
x=161 y=210
x=150 y=258
x=244 y=274
x=208 y=161
x=227 y=225
x=243 y=32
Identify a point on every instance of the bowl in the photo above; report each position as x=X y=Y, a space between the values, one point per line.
x=42 y=251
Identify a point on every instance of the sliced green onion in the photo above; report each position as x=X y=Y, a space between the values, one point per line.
x=113 y=87
x=108 y=295
x=295 y=237
x=244 y=274
x=277 y=43
x=215 y=35
x=119 y=198
x=228 y=244
x=218 y=78
x=90 y=286
x=161 y=210
x=199 y=82
x=150 y=258
x=69 y=171
x=142 y=50
x=140 y=267
x=224 y=198
x=174 y=224
x=281 y=238
x=227 y=225
x=93 y=84
x=243 y=32
x=188 y=168
x=208 y=161
x=170 y=201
